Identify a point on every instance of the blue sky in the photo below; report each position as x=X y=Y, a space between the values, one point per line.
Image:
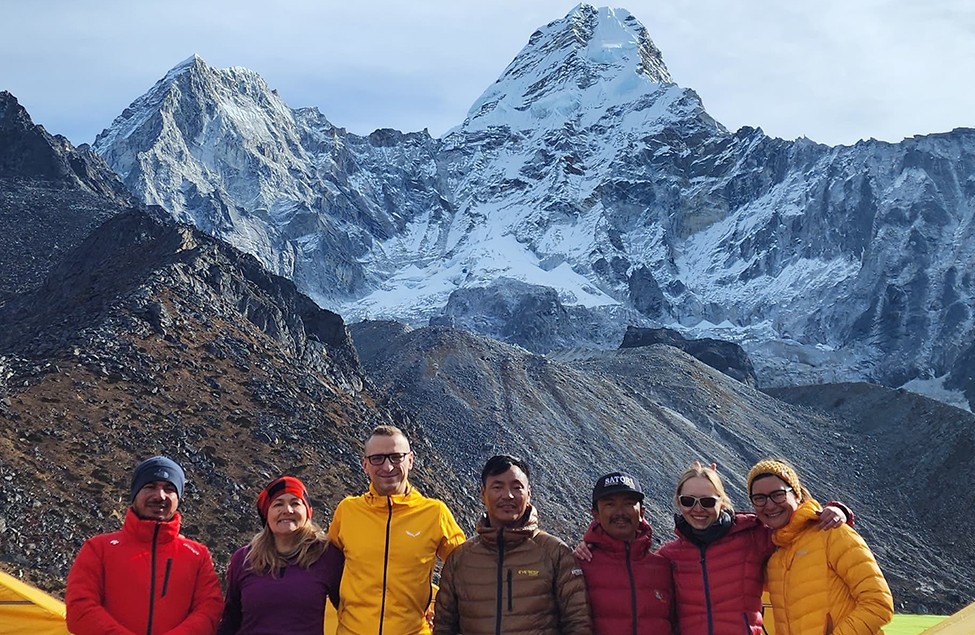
x=835 y=71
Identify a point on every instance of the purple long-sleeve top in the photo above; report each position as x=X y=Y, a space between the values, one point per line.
x=292 y=602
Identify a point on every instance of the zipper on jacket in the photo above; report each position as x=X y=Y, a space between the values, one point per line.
x=169 y=567
x=152 y=579
x=500 y=601
x=389 y=522
x=707 y=588
x=629 y=573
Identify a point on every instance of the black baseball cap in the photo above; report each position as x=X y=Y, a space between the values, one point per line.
x=616 y=483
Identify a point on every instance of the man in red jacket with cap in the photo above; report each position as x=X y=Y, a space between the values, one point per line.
x=145 y=578
x=629 y=586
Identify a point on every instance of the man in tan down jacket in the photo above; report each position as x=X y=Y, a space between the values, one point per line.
x=512 y=578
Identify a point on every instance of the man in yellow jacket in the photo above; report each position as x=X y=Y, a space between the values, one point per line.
x=391 y=537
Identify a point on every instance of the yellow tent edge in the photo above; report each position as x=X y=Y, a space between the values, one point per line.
x=40 y=598
x=960 y=623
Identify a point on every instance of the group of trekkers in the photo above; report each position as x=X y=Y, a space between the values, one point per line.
x=376 y=561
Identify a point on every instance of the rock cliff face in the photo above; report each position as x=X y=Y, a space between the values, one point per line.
x=51 y=195
x=726 y=357
x=587 y=170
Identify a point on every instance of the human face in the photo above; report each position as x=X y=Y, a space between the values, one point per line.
x=619 y=515
x=697 y=516
x=506 y=497
x=388 y=479
x=774 y=515
x=286 y=515
x=157 y=500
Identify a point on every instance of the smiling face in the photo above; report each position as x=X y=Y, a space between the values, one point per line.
x=157 y=500
x=506 y=497
x=698 y=516
x=774 y=515
x=286 y=515
x=619 y=515
x=388 y=478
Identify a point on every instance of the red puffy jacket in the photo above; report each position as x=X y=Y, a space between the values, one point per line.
x=144 y=579
x=718 y=585
x=629 y=586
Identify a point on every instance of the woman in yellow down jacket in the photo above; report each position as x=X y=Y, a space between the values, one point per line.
x=820 y=582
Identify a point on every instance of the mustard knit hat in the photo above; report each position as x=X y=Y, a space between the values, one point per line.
x=776 y=468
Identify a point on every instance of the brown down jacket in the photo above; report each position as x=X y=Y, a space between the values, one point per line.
x=515 y=581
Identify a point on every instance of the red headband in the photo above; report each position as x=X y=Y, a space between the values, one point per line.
x=283 y=485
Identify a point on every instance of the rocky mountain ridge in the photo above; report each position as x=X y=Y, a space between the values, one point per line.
x=51 y=194
x=586 y=170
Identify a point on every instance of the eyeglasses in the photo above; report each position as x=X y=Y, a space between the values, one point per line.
x=395 y=458
x=707 y=502
x=778 y=496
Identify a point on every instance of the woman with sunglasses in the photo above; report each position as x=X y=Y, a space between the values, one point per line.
x=719 y=556
x=836 y=585
x=281 y=580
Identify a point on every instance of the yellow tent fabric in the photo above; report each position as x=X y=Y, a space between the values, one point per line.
x=27 y=609
x=961 y=623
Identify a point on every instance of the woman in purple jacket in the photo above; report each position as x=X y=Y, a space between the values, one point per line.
x=286 y=572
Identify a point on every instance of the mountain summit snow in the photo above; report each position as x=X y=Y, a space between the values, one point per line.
x=586 y=170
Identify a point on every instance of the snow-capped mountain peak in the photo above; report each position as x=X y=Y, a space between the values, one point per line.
x=588 y=57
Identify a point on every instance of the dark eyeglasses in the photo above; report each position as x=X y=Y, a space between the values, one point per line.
x=778 y=496
x=394 y=458
x=707 y=502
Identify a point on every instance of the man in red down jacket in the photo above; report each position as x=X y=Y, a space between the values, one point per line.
x=629 y=586
x=145 y=579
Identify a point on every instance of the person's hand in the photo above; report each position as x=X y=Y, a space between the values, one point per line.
x=582 y=551
x=831 y=517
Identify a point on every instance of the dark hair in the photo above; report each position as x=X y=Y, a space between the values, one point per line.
x=501 y=463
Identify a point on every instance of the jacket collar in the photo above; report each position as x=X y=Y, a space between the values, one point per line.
x=376 y=499
x=808 y=511
x=640 y=545
x=718 y=529
x=143 y=530
x=511 y=536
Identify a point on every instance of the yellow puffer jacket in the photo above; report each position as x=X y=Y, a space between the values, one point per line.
x=825 y=582
x=391 y=544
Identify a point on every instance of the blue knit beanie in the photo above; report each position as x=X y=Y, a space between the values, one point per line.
x=158 y=468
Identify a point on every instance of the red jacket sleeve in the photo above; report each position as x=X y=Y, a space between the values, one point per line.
x=83 y=597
